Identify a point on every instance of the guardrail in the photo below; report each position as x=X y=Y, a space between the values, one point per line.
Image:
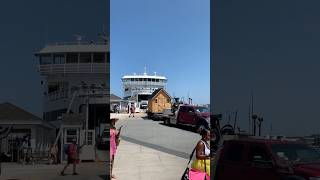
x=74 y=68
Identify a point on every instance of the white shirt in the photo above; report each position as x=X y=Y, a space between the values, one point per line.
x=206 y=149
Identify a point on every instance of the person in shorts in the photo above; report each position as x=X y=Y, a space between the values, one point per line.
x=72 y=152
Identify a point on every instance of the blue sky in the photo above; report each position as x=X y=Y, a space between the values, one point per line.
x=170 y=37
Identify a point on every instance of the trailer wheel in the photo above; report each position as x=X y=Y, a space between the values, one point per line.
x=166 y=121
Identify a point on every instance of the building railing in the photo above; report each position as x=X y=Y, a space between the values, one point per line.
x=74 y=68
x=57 y=95
x=144 y=83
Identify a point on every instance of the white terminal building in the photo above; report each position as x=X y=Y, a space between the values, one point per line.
x=138 y=87
x=76 y=91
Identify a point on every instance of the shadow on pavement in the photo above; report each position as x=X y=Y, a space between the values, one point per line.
x=183 y=127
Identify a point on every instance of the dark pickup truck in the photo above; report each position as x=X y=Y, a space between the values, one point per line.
x=264 y=159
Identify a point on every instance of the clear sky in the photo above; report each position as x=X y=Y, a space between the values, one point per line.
x=25 y=27
x=170 y=37
x=273 y=48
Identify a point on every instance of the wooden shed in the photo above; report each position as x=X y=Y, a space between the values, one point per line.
x=158 y=101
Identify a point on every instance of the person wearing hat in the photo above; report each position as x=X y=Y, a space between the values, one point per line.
x=114 y=139
x=72 y=152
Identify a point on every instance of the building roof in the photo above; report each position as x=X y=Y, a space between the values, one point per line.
x=156 y=92
x=114 y=97
x=144 y=76
x=12 y=114
x=69 y=48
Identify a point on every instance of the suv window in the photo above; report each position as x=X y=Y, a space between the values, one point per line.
x=234 y=152
x=258 y=153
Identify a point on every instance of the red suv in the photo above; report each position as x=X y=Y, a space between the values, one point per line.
x=253 y=159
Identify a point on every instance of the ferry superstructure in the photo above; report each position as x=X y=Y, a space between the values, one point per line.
x=75 y=78
x=138 y=87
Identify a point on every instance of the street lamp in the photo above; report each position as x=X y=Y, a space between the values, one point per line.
x=260 y=120
x=254 y=118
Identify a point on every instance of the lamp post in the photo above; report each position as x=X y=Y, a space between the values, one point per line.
x=260 y=120
x=254 y=120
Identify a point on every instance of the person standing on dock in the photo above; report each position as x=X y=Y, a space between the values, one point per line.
x=132 y=110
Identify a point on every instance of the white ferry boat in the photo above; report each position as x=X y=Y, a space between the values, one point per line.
x=75 y=78
x=138 y=87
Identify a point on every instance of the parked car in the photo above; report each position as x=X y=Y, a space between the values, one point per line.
x=261 y=159
x=196 y=116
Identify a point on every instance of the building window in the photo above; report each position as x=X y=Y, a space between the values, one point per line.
x=99 y=58
x=156 y=101
x=45 y=59
x=85 y=57
x=59 y=59
x=108 y=57
x=168 y=100
x=72 y=58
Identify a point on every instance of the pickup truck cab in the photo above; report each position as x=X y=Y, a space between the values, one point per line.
x=191 y=115
x=261 y=159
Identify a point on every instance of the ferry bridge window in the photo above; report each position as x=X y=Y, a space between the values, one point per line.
x=132 y=79
x=45 y=59
x=108 y=57
x=99 y=58
x=58 y=59
x=72 y=58
x=157 y=80
x=85 y=57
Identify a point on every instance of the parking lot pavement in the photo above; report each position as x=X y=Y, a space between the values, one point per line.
x=137 y=162
x=87 y=171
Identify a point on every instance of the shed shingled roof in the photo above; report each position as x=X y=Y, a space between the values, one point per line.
x=156 y=92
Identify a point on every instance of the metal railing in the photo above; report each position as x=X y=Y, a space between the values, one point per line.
x=148 y=83
x=74 y=68
x=57 y=95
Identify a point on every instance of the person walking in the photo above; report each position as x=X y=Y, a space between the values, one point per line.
x=132 y=110
x=72 y=152
x=202 y=161
x=53 y=153
x=114 y=138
